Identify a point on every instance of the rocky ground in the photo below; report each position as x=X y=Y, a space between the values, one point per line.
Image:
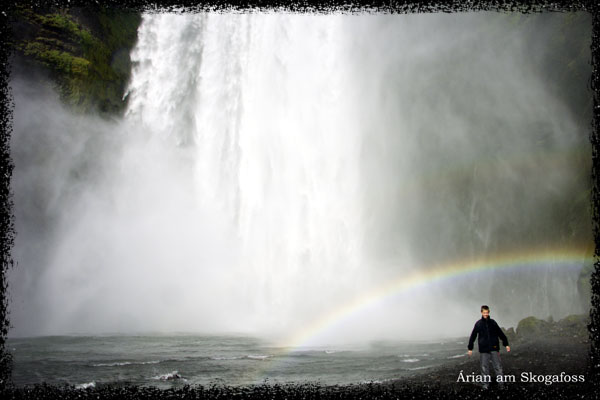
x=544 y=349
x=546 y=356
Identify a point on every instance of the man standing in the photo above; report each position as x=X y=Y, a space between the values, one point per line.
x=489 y=347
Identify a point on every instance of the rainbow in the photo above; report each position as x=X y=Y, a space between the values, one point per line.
x=533 y=258
x=427 y=276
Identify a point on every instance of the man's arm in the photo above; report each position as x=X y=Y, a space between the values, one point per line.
x=472 y=338
x=502 y=336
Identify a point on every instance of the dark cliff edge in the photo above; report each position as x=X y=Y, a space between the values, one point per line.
x=83 y=53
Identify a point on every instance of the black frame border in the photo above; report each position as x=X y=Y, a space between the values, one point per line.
x=308 y=390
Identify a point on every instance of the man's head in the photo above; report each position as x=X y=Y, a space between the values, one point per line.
x=485 y=311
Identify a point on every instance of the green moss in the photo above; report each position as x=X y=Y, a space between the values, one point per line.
x=56 y=44
x=90 y=70
x=574 y=325
x=571 y=326
x=60 y=22
x=58 y=60
x=574 y=319
x=530 y=326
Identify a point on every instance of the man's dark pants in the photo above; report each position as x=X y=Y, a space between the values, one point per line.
x=485 y=358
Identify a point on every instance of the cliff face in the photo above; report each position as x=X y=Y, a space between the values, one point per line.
x=84 y=52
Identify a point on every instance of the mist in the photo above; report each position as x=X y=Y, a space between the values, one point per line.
x=271 y=169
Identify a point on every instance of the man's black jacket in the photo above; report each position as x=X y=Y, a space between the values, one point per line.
x=488 y=331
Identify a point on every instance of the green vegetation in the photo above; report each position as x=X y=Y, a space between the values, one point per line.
x=572 y=326
x=86 y=52
x=61 y=61
x=531 y=326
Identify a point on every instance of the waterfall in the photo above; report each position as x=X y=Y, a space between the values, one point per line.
x=263 y=104
x=279 y=171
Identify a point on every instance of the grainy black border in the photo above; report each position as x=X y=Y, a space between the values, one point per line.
x=305 y=390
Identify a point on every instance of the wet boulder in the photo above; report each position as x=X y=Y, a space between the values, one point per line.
x=510 y=333
x=574 y=325
x=531 y=326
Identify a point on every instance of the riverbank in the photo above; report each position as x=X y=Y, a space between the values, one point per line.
x=548 y=356
x=531 y=363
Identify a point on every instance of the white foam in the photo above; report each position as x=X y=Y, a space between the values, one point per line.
x=411 y=360
x=122 y=363
x=377 y=381
x=257 y=357
x=457 y=356
x=226 y=358
x=168 y=377
x=86 y=385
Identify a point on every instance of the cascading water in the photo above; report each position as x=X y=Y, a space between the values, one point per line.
x=261 y=102
x=273 y=168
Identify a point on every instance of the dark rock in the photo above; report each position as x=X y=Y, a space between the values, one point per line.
x=510 y=333
x=85 y=52
x=532 y=326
